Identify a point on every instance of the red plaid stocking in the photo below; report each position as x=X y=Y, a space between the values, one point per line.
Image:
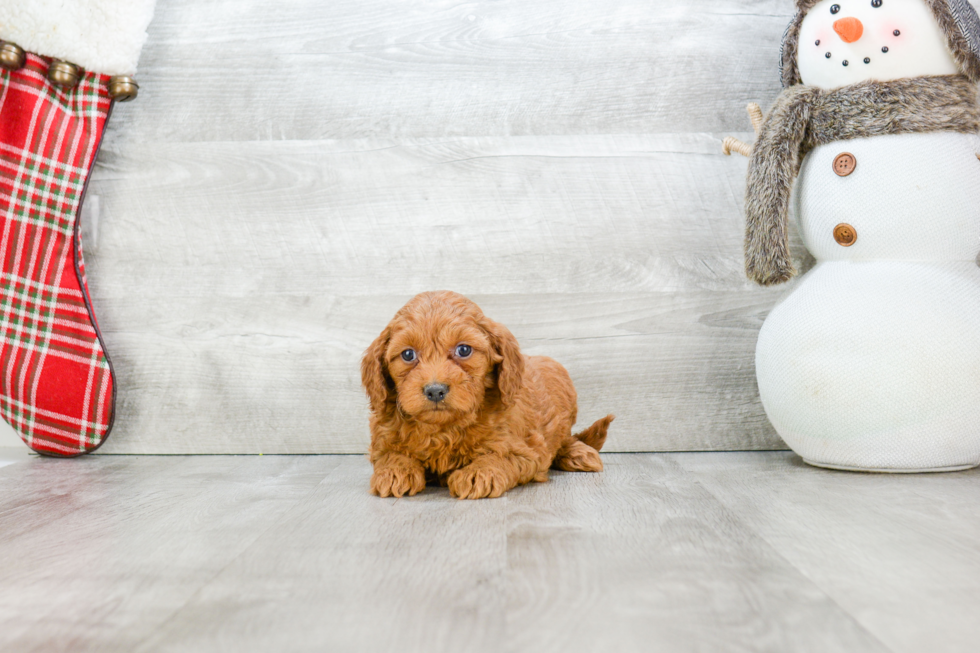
x=56 y=384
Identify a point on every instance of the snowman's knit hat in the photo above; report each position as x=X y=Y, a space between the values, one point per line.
x=957 y=19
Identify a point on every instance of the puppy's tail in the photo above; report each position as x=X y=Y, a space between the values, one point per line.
x=595 y=435
x=580 y=452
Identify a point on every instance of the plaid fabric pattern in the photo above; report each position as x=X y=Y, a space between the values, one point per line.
x=56 y=385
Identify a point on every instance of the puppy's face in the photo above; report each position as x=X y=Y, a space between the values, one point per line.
x=437 y=359
x=439 y=363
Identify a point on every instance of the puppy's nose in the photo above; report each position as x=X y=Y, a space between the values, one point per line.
x=435 y=392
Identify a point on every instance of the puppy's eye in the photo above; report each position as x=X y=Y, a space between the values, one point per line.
x=464 y=351
x=408 y=355
x=834 y=9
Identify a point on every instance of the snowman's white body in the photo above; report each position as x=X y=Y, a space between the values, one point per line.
x=873 y=360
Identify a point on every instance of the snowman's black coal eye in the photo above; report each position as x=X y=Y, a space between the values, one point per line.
x=464 y=351
x=875 y=3
x=408 y=355
x=896 y=32
x=834 y=9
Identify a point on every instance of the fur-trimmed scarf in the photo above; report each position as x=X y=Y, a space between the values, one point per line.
x=804 y=117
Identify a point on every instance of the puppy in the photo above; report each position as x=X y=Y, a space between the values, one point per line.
x=454 y=401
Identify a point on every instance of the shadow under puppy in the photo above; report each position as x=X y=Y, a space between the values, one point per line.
x=454 y=401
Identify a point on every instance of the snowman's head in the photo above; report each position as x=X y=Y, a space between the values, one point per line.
x=849 y=41
x=834 y=43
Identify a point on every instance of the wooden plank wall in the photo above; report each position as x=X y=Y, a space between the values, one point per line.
x=293 y=172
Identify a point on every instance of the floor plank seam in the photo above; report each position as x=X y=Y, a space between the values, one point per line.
x=780 y=555
x=206 y=583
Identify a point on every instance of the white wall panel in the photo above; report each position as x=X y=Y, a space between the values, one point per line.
x=293 y=172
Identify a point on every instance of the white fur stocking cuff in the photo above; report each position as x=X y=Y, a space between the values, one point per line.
x=103 y=36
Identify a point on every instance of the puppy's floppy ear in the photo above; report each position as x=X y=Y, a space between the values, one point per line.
x=374 y=372
x=509 y=360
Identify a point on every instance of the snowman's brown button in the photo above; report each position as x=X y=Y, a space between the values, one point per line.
x=844 y=164
x=845 y=235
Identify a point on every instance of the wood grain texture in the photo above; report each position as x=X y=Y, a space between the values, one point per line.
x=667 y=552
x=101 y=549
x=878 y=546
x=238 y=284
x=640 y=558
x=494 y=216
x=293 y=385
x=346 y=571
x=306 y=69
x=292 y=173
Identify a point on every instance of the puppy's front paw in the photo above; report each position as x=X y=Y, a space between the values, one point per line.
x=479 y=480
x=398 y=479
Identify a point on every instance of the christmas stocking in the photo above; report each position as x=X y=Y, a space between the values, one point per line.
x=62 y=66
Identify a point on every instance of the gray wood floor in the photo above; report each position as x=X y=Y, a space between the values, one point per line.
x=661 y=552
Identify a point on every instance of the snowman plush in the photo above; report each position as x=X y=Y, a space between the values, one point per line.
x=872 y=361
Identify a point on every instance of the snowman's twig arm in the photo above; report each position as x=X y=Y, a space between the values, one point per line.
x=755 y=115
x=731 y=144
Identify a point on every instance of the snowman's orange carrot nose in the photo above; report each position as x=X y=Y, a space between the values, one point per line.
x=849 y=29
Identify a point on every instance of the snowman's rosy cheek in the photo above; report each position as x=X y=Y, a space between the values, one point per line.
x=890 y=34
x=822 y=38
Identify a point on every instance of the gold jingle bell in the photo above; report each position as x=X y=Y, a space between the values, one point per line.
x=123 y=88
x=12 y=57
x=64 y=74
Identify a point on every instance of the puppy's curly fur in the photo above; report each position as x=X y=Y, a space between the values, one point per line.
x=503 y=419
